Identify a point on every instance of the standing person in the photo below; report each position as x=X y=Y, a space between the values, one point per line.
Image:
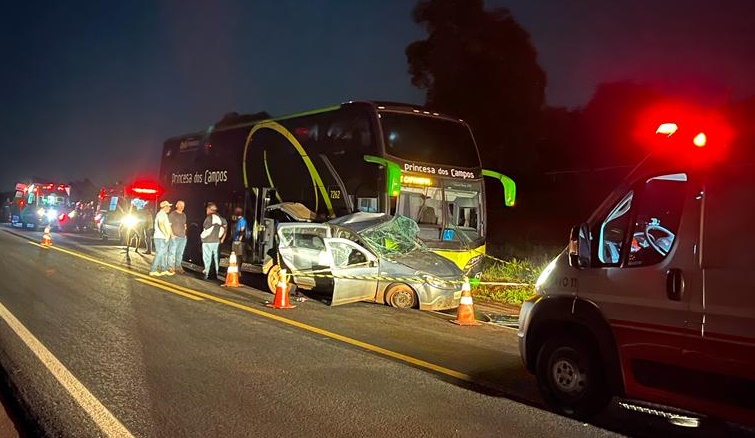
x=161 y=237
x=147 y=228
x=177 y=219
x=214 y=230
x=239 y=235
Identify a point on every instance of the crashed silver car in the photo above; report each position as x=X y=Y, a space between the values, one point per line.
x=369 y=257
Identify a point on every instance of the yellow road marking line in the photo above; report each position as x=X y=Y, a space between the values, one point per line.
x=369 y=347
x=329 y=334
x=101 y=416
x=170 y=289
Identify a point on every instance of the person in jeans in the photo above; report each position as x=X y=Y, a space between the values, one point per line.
x=177 y=219
x=161 y=237
x=214 y=230
x=239 y=235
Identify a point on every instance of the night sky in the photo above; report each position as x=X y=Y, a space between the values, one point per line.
x=91 y=89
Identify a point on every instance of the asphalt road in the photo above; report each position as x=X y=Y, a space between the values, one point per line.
x=95 y=347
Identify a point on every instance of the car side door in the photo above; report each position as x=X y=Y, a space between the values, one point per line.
x=355 y=271
x=302 y=249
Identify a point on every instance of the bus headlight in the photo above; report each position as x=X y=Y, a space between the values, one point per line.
x=130 y=221
x=51 y=215
x=41 y=212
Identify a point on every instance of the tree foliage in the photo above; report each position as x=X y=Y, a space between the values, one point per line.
x=481 y=66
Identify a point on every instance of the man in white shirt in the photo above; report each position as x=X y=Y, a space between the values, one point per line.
x=161 y=238
x=214 y=230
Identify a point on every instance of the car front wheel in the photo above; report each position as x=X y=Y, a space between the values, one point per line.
x=570 y=377
x=401 y=296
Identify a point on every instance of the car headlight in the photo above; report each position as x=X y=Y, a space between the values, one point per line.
x=130 y=221
x=51 y=215
x=437 y=282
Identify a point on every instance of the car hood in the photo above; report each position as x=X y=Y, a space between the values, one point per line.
x=428 y=263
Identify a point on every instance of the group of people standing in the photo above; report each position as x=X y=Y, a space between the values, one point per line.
x=170 y=239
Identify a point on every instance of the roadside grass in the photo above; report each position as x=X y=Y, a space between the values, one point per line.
x=513 y=265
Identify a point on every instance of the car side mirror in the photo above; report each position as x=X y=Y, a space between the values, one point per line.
x=372 y=263
x=579 y=247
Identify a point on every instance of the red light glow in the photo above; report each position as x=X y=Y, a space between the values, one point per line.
x=144 y=188
x=667 y=128
x=700 y=140
x=683 y=133
x=144 y=191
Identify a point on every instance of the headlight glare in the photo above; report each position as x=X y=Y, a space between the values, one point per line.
x=130 y=221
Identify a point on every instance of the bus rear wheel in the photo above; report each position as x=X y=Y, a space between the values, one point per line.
x=273 y=278
x=570 y=377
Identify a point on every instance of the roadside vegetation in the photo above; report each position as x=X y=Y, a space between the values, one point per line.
x=522 y=265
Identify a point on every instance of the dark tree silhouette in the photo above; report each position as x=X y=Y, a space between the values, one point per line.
x=481 y=66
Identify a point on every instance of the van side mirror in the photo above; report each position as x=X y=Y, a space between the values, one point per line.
x=579 y=246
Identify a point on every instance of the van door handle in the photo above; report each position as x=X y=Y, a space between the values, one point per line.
x=674 y=284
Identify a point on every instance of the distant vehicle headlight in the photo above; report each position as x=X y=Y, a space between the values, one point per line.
x=437 y=282
x=51 y=215
x=130 y=221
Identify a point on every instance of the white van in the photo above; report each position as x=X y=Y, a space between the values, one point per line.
x=654 y=299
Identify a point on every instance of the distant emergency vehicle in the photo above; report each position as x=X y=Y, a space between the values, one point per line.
x=125 y=209
x=654 y=299
x=40 y=204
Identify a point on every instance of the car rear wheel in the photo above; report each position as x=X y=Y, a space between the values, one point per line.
x=401 y=296
x=570 y=377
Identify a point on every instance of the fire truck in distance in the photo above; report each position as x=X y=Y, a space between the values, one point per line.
x=40 y=204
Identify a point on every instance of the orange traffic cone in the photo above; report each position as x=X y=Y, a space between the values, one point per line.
x=47 y=237
x=465 y=314
x=281 y=294
x=232 y=274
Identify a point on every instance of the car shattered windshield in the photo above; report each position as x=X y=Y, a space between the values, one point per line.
x=395 y=237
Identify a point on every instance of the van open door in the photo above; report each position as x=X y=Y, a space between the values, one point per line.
x=349 y=259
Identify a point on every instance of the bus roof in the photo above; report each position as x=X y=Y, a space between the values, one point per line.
x=252 y=119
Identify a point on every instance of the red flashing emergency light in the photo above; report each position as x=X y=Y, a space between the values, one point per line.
x=685 y=133
x=144 y=189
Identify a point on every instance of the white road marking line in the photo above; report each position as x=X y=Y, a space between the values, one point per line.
x=99 y=413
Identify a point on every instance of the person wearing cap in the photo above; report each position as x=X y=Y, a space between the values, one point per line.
x=214 y=230
x=161 y=237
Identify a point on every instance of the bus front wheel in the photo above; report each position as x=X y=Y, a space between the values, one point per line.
x=273 y=278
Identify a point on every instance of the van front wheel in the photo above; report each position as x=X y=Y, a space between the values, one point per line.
x=570 y=377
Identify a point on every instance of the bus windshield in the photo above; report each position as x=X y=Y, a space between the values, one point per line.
x=447 y=212
x=428 y=139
